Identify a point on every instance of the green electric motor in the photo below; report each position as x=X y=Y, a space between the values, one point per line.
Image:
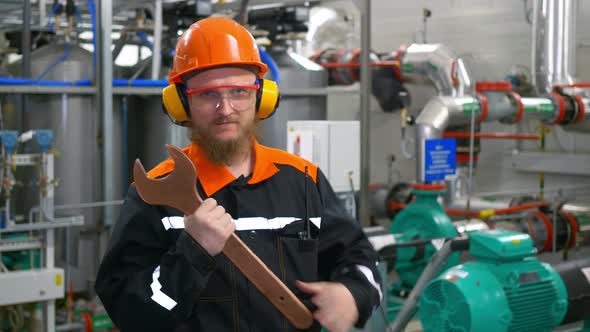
x=422 y=219
x=505 y=289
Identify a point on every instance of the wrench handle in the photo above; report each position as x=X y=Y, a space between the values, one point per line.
x=267 y=282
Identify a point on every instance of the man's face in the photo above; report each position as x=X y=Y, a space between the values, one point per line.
x=222 y=103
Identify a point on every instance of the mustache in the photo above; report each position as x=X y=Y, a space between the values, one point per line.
x=227 y=120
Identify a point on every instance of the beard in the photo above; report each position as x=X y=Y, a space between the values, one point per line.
x=223 y=151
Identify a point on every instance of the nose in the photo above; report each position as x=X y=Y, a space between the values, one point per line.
x=224 y=106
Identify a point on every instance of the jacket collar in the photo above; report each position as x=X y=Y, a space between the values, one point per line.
x=214 y=177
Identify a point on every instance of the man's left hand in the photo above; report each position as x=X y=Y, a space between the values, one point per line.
x=336 y=308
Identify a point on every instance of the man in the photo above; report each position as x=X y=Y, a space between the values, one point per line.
x=164 y=272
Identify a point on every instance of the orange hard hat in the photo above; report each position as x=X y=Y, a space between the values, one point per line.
x=213 y=42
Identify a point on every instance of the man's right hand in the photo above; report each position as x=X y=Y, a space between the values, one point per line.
x=210 y=226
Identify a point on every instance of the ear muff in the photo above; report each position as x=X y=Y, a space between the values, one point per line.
x=175 y=104
x=267 y=100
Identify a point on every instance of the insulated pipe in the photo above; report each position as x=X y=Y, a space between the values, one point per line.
x=441 y=112
x=436 y=116
x=538 y=109
x=465 y=84
x=554 y=43
x=436 y=64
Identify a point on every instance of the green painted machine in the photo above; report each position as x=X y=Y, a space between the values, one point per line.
x=506 y=288
x=422 y=219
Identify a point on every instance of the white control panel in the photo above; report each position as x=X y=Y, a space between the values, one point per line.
x=334 y=146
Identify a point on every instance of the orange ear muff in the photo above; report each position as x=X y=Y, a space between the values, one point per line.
x=267 y=100
x=175 y=104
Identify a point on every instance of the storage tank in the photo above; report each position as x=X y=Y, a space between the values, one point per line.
x=76 y=124
x=151 y=130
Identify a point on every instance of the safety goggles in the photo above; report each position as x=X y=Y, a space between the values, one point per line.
x=240 y=97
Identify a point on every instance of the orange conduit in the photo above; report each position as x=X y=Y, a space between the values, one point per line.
x=575 y=85
x=491 y=212
x=453 y=134
x=358 y=64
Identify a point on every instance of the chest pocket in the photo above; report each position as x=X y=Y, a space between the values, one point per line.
x=298 y=256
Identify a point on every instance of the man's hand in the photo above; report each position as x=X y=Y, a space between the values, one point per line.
x=336 y=310
x=210 y=226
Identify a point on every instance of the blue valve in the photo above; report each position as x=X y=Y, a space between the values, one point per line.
x=9 y=139
x=44 y=138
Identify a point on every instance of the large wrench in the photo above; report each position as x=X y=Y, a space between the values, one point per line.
x=179 y=190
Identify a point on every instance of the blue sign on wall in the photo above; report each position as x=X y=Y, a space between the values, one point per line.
x=440 y=158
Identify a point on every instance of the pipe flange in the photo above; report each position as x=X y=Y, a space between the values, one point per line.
x=483 y=103
x=581 y=109
x=548 y=227
x=337 y=77
x=353 y=59
x=398 y=57
x=560 y=103
x=574 y=228
x=519 y=106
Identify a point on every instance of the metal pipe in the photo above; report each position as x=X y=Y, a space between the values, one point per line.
x=502 y=104
x=471 y=152
x=523 y=191
x=42 y=13
x=466 y=86
x=584 y=125
x=142 y=67
x=26 y=59
x=438 y=65
x=44 y=214
x=157 y=51
x=365 y=108
x=569 y=17
x=243 y=13
x=492 y=135
x=105 y=72
x=541 y=109
x=89 y=205
x=497 y=211
x=26 y=39
x=410 y=305
x=478 y=204
x=106 y=96
x=119 y=44
x=442 y=111
x=438 y=113
x=554 y=238
x=554 y=44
